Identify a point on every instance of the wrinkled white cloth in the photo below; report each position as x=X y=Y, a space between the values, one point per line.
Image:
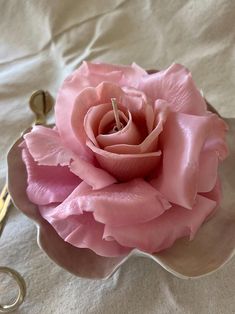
x=41 y=42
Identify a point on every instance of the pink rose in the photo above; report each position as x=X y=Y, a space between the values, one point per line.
x=144 y=186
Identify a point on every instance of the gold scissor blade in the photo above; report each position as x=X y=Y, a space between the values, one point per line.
x=6 y=204
x=2 y=225
x=3 y=192
x=2 y=197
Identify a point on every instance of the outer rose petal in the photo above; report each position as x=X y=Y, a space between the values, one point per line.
x=48 y=184
x=83 y=231
x=216 y=140
x=88 y=75
x=215 y=148
x=176 y=86
x=130 y=75
x=125 y=167
x=161 y=233
x=123 y=203
x=215 y=193
x=208 y=168
x=119 y=204
x=45 y=146
x=182 y=140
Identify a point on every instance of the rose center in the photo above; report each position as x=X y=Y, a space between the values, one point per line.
x=111 y=127
x=116 y=119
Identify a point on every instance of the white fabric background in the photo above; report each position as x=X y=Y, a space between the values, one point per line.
x=40 y=43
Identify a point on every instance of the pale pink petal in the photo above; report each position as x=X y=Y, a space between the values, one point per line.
x=83 y=102
x=126 y=203
x=69 y=206
x=89 y=234
x=47 y=184
x=66 y=96
x=96 y=177
x=124 y=75
x=128 y=135
x=215 y=149
x=216 y=193
x=142 y=108
x=150 y=143
x=176 y=86
x=182 y=141
x=92 y=120
x=80 y=228
x=161 y=233
x=216 y=140
x=125 y=167
x=208 y=168
x=45 y=145
x=106 y=91
x=83 y=231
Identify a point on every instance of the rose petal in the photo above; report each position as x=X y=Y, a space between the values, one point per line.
x=176 y=86
x=125 y=167
x=69 y=206
x=83 y=231
x=216 y=140
x=44 y=144
x=215 y=194
x=48 y=184
x=215 y=149
x=142 y=110
x=124 y=203
x=208 y=168
x=92 y=120
x=120 y=74
x=46 y=148
x=161 y=233
x=96 y=177
x=182 y=142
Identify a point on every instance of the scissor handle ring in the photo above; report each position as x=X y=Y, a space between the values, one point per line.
x=21 y=290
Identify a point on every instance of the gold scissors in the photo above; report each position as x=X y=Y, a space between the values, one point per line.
x=41 y=104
